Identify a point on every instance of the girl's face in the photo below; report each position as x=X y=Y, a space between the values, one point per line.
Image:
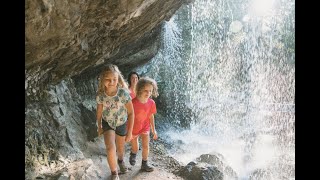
x=146 y=91
x=111 y=80
x=134 y=79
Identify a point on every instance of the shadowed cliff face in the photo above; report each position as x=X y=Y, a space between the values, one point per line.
x=66 y=45
x=65 y=38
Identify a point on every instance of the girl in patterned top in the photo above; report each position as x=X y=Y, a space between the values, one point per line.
x=114 y=116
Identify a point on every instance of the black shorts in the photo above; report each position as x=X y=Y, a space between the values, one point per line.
x=120 y=130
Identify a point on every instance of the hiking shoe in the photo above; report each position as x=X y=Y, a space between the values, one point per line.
x=132 y=159
x=114 y=176
x=122 y=166
x=145 y=166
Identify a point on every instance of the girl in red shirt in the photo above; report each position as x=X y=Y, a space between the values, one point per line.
x=144 y=110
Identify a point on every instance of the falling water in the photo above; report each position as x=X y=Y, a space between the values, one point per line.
x=226 y=72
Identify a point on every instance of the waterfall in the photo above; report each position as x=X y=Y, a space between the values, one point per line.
x=226 y=73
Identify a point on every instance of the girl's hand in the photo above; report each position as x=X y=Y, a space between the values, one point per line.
x=100 y=131
x=155 y=135
x=128 y=137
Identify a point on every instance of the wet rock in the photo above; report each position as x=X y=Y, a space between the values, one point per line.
x=200 y=171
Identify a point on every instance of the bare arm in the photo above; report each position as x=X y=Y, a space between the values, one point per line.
x=130 y=112
x=153 y=128
x=99 y=117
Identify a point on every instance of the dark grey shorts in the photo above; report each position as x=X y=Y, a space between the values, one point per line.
x=120 y=130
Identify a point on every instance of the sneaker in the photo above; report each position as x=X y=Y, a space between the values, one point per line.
x=122 y=166
x=132 y=159
x=145 y=166
x=114 y=176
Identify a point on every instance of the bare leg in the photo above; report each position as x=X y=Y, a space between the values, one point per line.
x=135 y=145
x=120 y=141
x=109 y=140
x=145 y=153
x=145 y=146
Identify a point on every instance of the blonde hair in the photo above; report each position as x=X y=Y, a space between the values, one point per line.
x=113 y=69
x=146 y=80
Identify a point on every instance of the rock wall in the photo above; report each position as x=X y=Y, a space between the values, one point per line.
x=66 y=45
x=64 y=38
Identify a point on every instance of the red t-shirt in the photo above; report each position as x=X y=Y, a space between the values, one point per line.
x=132 y=94
x=142 y=113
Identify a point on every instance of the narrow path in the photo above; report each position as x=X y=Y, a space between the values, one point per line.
x=96 y=152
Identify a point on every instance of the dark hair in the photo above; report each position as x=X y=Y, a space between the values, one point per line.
x=129 y=77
